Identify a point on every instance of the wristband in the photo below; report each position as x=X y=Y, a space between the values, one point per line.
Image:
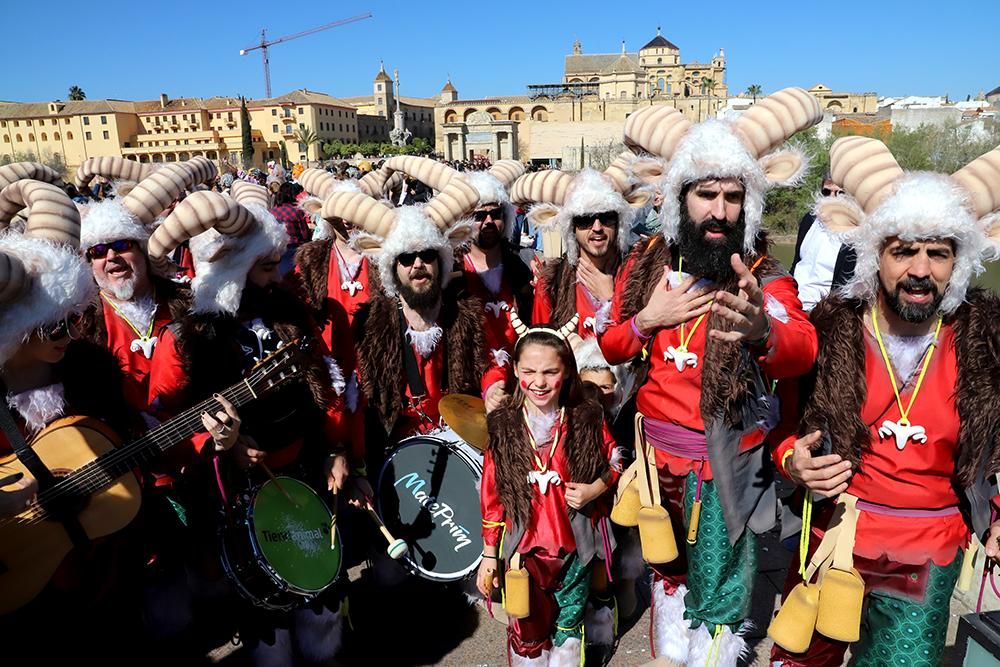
x=635 y=329
x=784 y=460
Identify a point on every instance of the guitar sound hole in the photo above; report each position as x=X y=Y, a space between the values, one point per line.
x=66 y=503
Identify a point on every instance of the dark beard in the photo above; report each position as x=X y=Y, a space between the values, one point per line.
x=259 y=301
x=705 y=258
x=488 y=238
x=914 y=313
x=420 y=300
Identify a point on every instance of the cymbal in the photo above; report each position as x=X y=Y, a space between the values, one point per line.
x=466 y=415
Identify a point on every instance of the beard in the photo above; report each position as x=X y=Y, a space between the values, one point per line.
x=489 y=237
x=914 y=313
x=257 y=300
x=122 y=291
x=708 y=258
x=422 y=300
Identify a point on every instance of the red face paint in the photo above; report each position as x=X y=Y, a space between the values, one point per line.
x=524 y=385
x=556 y=384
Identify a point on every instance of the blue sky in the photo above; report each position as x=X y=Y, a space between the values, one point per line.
x=139 y=48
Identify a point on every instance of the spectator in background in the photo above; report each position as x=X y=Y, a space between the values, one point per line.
x=821 y=262
x=286 y=211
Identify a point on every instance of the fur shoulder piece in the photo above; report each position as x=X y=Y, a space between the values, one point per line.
x=313 y=262
x=560 y=283
x=380 y=356
x=977 y=348
x=465 y=329
x=647 y=261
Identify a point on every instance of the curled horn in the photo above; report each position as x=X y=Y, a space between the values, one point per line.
x=981 y=178
x=17 y=171
x=865 y=168
x=568 y=328
x=455 y=197
x=198 y=213
x=14 y=280
x=618 y=173
x=317 y=182
x=520 y=328
x=250 y=193
x=157 y=191
x=656 y=130
x=53 y=215
x=111 y=166
x=384 y=179
x=507 y=171
x=361 y=210
x=549 y=186
x=773 y=120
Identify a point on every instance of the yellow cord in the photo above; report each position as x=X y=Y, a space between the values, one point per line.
x=684 y=341
x=904 y=414
x=127 y=321
x=807 y=513
x=716 y=648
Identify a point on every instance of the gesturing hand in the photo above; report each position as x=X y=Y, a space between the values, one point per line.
x=600 y=284
x=826 y=475
x=668 y=307
x=745 y=310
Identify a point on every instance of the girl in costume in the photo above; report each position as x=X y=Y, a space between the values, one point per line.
x=545 y=470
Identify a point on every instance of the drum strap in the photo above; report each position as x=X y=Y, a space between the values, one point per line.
x=27 y=456
x=413 y=377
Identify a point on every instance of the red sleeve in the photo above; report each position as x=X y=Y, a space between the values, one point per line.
x=786 y=432
x=168 y=397
x=790 y=350
x=541 y=310
x=489 y=503
x=619 y=342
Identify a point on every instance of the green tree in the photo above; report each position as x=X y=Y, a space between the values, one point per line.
x=421 y=146
x=707 y=85
x=753 y=90
x=76 y=94
x=284 y=157
x=247 y=134
x=306 y=137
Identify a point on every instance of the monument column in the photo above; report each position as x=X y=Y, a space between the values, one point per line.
x=496 y=147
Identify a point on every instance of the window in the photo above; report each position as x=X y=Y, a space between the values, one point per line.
x=86 y=135
x=41 y=121
x=301 y=110
x=230 y=116
x=106 y=134
x=6 y=138
x=659 y=61
x=341 y=127
x=29 y=123
x=69 y=136
x=274 y=128
x=104 y=120
x=288 y=129
x=3 y=123
x=66 y=122
x=302 y=147
x=380 y=104
x=302 y=126
x=274 y=112
x=45 y=137
x=379 y=88
x=18 y=138
x=55 y=136
x=31 y=137
x=86 y=120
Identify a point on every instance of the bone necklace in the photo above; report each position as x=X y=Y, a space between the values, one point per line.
x=680 y=355
x=146 y=342
x=903 y=430
x=349 y=283
x=542 y=476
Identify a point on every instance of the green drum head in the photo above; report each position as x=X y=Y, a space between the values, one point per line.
x=295 y=538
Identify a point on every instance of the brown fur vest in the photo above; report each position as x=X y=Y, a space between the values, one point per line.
x=512 y=452
x=838 y=386
x=380 y=353
x=725 y=375
x=313 y=277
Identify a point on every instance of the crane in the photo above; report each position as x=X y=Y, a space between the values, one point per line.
x=265 y=44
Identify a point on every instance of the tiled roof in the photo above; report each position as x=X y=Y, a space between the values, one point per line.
x=661 y=42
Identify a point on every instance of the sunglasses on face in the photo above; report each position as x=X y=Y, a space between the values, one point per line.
x=61 y=329
x=826 y=192
x=426 y=256
x=492 y=213
x=100 y=250
x=607 y=219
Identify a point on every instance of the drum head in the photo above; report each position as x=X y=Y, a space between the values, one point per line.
x=295 y=538
x=428 y=495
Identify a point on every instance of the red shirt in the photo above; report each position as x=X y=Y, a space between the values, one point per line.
x=500 y=334
x=586 y=305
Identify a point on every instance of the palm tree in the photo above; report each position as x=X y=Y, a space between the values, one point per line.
x=708 y=84
x=306 y=137
x=76 y=94
x=753 y=90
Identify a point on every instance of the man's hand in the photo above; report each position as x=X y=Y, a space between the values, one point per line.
x=744 y=310
x=486 y=578
x=825 y=475
x=494 y=395
x=600 y=284
x=20 y=492
x=992 y=543
x=668 y=308
x=224 y=426
x=336 y=471
x=578 y=495
x=360 y=493
x=246 y=453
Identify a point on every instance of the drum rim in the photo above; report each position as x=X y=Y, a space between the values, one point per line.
x=472 y=464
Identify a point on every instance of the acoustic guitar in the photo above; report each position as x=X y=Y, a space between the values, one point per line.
x=95 y=491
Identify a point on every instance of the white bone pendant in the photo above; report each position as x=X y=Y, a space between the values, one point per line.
x=681 y=358
x=590 y=323
x=902 y=431
x=144 y=344
x=495 y=307
x=352 y=287
x=543 y=479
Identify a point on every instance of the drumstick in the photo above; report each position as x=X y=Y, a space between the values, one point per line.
x=396 y=548
x=277 y=483
x=333 y=522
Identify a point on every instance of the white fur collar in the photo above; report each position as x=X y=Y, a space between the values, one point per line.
x=39 y=407
x=139 y=312
x=542 y=427
x=424 y=341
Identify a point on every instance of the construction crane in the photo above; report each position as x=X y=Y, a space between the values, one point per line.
x=265 y=44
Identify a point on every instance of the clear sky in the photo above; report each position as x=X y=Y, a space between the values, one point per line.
x=140 y=48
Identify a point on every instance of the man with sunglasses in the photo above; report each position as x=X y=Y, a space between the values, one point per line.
x=495 y=274
x=821 y=263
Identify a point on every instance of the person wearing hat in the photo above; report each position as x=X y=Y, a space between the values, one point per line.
x=47 y=372
x=716 y=320
x=897 y=432
x=494 y=273
x=240 y=315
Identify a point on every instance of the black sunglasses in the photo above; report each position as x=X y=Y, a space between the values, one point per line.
x=59 y=330
x=607 y=219
x=100 y=250
x=426 y=256
x=826 y=192
x=494 y=213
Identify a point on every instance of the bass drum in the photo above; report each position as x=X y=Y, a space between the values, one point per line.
x=428 y=496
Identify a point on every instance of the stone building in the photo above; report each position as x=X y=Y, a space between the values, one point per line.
x=375 y=112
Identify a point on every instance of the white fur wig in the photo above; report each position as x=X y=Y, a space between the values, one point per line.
x=590 y=193
x=61 y=284
x=222 y=262
x=709 y=150
x=313 y=206
x=921 y=206
x=492 y=191
x=109 y=220
x=412 y=232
